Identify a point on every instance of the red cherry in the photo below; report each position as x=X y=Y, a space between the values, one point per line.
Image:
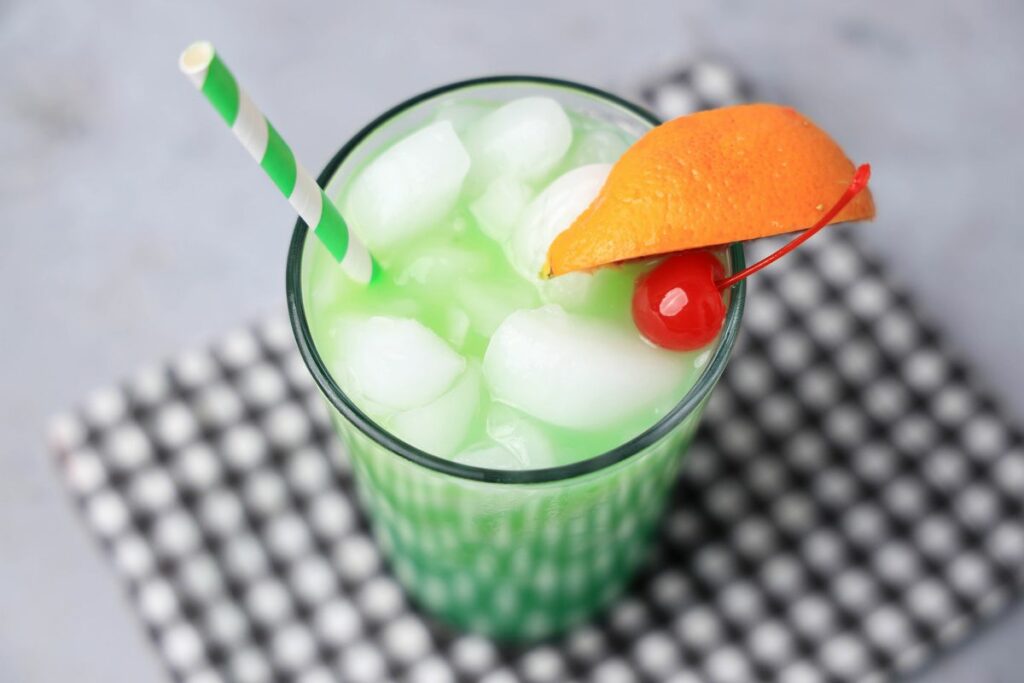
x=677 y=305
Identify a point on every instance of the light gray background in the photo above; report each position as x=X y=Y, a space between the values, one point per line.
x=133 y=225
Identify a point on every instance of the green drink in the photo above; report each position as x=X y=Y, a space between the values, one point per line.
x=513 y=438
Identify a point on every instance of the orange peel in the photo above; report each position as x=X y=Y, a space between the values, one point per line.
x=715 y=177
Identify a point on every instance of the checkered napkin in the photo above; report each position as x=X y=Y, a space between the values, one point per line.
x=851 y=506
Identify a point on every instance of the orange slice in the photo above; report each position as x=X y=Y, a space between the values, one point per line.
x=715 y=177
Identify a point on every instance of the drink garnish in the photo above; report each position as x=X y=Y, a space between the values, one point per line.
x=708 y=179
x=678 y=305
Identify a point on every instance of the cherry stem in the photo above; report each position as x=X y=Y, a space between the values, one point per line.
x=859 y=182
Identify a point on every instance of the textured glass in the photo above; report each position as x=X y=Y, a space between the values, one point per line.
x=512 y=554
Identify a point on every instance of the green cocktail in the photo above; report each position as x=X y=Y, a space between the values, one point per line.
x=513 y=438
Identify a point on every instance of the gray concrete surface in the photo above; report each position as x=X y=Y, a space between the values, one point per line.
x=133 y=225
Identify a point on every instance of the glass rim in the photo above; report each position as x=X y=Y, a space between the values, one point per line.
x=341 y=402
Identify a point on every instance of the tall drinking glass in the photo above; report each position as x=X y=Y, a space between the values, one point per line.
x=512 y=554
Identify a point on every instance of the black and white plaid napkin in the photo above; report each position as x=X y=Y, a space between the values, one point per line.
x=851 y=507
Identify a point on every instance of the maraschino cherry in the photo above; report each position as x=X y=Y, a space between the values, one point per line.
x=679 y=306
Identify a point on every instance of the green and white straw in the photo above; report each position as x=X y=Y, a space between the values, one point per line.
x=205 y=69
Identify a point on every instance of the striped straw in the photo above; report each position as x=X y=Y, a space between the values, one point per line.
x=205 y=69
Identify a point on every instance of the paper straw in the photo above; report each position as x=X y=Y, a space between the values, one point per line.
x=201 y=63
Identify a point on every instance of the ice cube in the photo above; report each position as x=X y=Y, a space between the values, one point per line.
x=455 y=327
x=439 y=265
x=580 y=373
x=608 y=290
x=488 y=303
x=520 y=435
x=396 y=363
x=490 y=455
x=572 y=291
x=397 y=307
x=525 y=139
x=408 y=188
x=441 y=426
x=596 y=147
x=462 y=114
x=498 y=210
x=550 y=213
